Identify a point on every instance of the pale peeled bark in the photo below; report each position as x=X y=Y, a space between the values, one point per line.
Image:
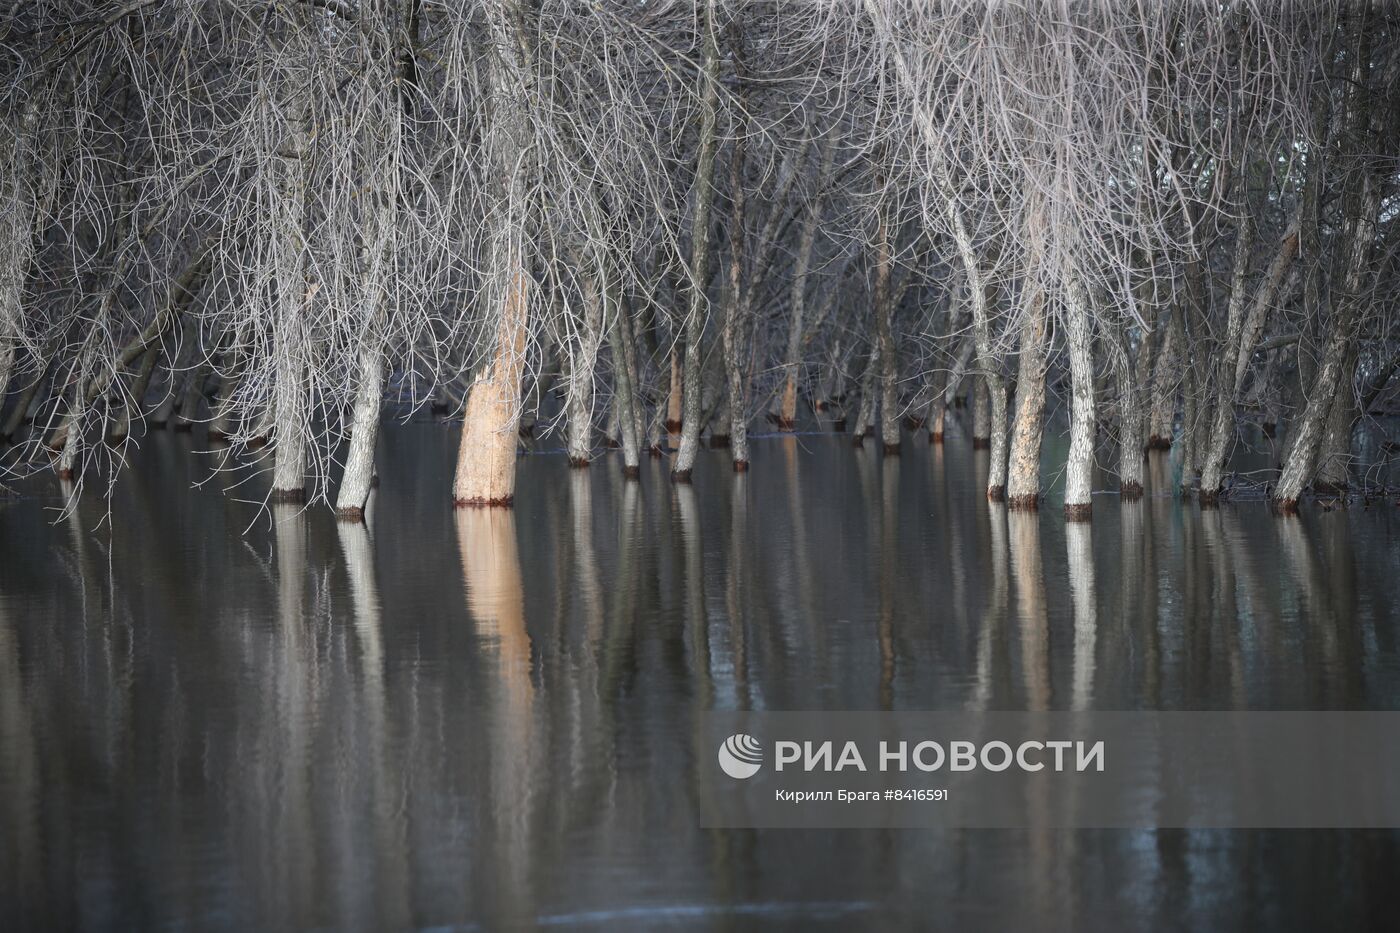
x=486 y=458
x=1079 y=470
x=355 y=485
x=1023 y=480
x=485 y=473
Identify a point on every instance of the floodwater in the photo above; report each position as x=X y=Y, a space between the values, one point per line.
x=215 y=716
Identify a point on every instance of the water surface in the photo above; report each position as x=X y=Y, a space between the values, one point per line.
x=219 y=716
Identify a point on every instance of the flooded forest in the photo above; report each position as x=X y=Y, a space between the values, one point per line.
x=661 y=226
x=415 y=415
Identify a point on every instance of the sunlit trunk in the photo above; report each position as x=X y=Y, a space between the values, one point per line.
x=485 y=474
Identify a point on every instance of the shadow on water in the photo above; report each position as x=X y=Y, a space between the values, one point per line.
x=486 y=719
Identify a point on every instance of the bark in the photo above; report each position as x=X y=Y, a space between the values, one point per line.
x=1166 y=380
x=225 y=409
x=1361 y=204
x=625 y=388
x=17 y=216
x=18 y=414
x=1023 y=481
x=699 y=248
x=981 y=414
x=675 y=396
x=358 y=479
x=736 y=313
x=1079 y=470
x=1334 y=453
x=582 y=367
x=787 y=409
x=485 y=474
x=1242 y=333
x=889 y=355
x=120 y=428
x=865 y=415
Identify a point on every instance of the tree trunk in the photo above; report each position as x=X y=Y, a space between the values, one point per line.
x=1166 y=379
x=1079 y=470
x=889 y=355
x=1361 y=204
x=485 y=473
x=582 y=366
x=1242 y=333
x=981 y=414
x=625 y=388
x=1334 y=456
x=1023 y=482
x=699 y=248
x=120 y=428
x=358 y=479
x=736 y=314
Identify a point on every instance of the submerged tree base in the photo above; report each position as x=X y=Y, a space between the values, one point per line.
x=786 y=424
x=1079 y=511
x=1029 y=502
x=578 y=463
x=680 y=476
x=935 y=437
x=1130 y=490
x=1158 y=442
x=504 y=502
x=350 y=514
x=1209 y=498
x=981 y=443
x=673 y=426
x=891 y=450
x=741 y=466
x=288 y=495
x=719 y=441
x=996 y=493
x=631 y=472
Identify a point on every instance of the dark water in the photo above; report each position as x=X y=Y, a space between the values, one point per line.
x=485 y=720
